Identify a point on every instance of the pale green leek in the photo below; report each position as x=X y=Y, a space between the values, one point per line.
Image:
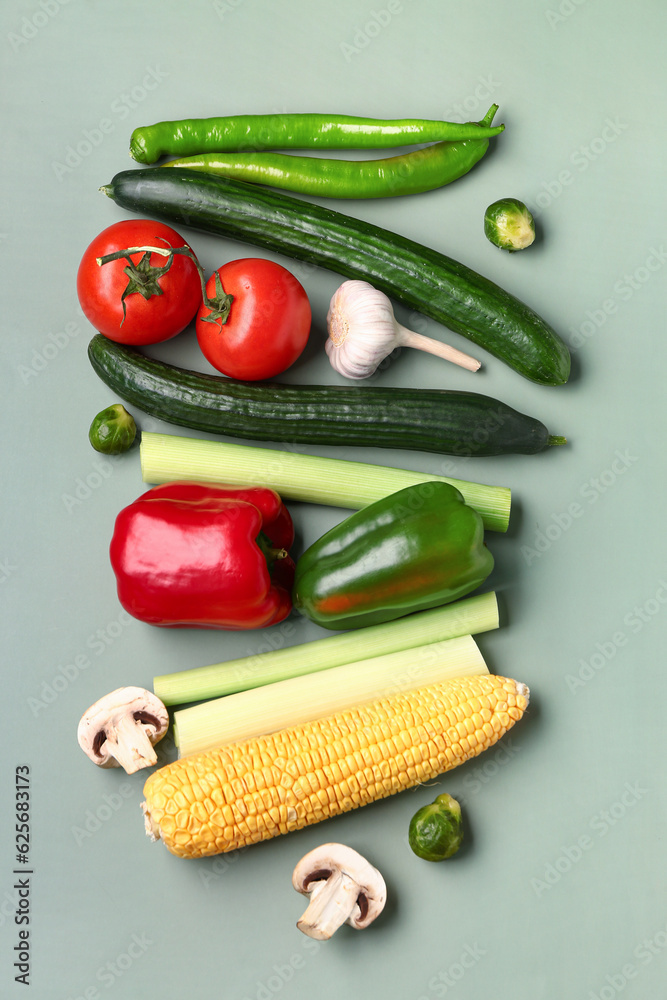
x=470 y=615
x=310 y=478
x=303 y=699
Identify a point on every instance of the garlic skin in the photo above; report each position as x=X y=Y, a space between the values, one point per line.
x=363 y=331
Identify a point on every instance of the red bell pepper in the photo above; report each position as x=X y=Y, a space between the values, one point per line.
x=190 y=554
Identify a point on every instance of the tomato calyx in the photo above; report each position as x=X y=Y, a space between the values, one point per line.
x=144 y=278
x=219 y=305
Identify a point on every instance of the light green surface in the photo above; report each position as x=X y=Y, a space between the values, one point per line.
x=560 y=891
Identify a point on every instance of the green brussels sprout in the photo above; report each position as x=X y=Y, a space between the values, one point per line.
x=509 y=225
x=113 y=430
x=436 y=830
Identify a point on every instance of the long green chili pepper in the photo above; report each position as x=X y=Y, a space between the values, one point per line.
x=193 y=136
x=422 y=170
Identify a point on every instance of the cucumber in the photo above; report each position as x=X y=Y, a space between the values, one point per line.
x=436 y=420
x=419 y=278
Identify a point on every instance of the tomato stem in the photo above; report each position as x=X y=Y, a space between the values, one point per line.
x=144 y=279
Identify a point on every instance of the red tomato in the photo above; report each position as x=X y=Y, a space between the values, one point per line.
x=268 y=322
x=147 y=320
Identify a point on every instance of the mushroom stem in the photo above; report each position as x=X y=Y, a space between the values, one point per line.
x=332 y=901
x=129 y=744
x=407 y=338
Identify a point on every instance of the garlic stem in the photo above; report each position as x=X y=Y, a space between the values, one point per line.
x=407 y=338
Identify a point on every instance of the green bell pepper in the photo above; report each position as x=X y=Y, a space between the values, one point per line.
x=415 y=549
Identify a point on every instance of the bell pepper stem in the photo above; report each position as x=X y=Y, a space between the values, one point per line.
x=269 y=551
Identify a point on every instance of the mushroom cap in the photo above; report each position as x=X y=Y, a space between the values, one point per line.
x=112 y=711
x=320 y=863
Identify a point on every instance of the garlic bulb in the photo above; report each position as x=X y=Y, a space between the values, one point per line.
x=363 y=331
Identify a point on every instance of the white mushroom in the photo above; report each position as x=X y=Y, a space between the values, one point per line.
x=343 y=888
x=121 y=728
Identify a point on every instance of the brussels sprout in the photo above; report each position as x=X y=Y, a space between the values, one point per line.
x=509 y=225
x=113 y=430
x=436 y=831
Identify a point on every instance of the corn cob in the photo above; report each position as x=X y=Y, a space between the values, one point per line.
x=252 y=790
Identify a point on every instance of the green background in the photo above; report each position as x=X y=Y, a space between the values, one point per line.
x=560 y=891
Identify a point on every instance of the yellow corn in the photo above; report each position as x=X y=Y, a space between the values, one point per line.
x=258 y=788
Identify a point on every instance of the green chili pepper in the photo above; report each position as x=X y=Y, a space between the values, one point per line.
x=113 y=430
x=301 y=131
x=408 y=173
x=415 y=549
x=436 y=830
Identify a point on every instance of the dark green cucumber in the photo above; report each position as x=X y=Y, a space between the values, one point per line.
x=422 y=279
x=438 y=420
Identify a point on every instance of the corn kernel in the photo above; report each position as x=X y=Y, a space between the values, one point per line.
x=247 y=792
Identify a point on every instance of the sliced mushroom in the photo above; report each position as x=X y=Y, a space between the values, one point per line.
x=121 y=728
x=343 y=888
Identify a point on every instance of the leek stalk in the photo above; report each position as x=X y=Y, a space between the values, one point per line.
x=468 y=616
x=311 y=478
x=303 y=699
